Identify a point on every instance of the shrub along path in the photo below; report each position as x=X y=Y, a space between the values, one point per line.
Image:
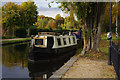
x=88 y=68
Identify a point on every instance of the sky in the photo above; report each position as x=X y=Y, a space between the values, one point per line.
x=43 y=8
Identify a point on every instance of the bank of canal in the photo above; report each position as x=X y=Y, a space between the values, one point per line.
x=14 y=41
x=16 y=64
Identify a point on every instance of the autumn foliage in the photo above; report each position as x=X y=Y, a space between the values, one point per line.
x=14 y=16
x=51 y=24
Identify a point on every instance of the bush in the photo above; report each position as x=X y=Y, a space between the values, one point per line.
x=44 y=30
x=58 y=31
x=33 y=31
x=21 y=32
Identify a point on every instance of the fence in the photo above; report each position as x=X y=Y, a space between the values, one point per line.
x=115 y=57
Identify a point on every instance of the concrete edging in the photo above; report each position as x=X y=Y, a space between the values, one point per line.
x=61 y=71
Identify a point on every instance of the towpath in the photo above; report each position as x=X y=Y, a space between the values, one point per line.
x=87 y=68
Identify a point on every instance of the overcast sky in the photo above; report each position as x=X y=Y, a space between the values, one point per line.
x=43 y=8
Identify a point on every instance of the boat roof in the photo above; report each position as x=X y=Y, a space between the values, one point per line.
x=46 y=33
x=51 y=35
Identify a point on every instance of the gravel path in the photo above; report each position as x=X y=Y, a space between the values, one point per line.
x=86 y=68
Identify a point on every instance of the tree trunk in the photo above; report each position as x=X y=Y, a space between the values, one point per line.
x=10 y=31
x=99 y=33
x=93 y=42
x=100 y=23
x=96 y=36
x=86 y=47
x=96 y=26
x=86 y=43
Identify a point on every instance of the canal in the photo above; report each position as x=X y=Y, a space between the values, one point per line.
x=16 y=63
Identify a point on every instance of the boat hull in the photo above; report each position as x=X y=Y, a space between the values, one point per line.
x=53 y=50
x=46 y=53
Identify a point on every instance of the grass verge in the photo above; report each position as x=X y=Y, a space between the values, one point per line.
x=11 y=41
x=113 y=38
x=102 y=54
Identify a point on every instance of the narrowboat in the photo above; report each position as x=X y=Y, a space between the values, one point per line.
x=52 y=44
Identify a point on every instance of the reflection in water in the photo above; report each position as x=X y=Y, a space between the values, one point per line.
x=14 y=60
x=39 y=70
x=42 y=70
x=15 y=63
x=15 y=55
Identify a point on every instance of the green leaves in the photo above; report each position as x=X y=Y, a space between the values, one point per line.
x=10 y=15
x=19 y=15
x=59 y=20
x=25 y=13
x=42 y=23
x=29 y=10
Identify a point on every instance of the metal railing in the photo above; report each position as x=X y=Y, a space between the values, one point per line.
x=115 y=57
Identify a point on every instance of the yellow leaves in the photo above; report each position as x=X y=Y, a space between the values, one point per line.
x=30 y=0
x=57 y=16
x=59 y=19
x=62 y=26
x=67 y=19
x=26 y=12
x=41 y=16
x=113 y=19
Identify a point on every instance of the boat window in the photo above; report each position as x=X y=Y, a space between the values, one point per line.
x=50 y=42
x=69 y=41
x=59 y=42
x=64 y=40
x=38 y=41
x=73 y=39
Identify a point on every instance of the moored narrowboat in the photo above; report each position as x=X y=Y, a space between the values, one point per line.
x=52 y=44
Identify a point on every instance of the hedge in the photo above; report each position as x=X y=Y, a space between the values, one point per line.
x=21 y=32
x=33 y=31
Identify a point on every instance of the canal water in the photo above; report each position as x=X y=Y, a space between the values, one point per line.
x=16 y=63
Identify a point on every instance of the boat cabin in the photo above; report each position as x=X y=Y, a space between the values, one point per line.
x=50 y=40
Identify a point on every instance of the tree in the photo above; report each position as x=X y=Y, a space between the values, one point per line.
x=28 y=12
x=68 y=8
x=59 y=20
x=41 y=16
x=72 y=21
x=115 y=12
x=51 y=24
x=70 y=24
x=67 y=22
x=10 y=16
x=1 y=22
x=90 y=16
x=41 y=23
x=23 y=15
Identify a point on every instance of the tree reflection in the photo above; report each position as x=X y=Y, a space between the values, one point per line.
x=14 y=55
